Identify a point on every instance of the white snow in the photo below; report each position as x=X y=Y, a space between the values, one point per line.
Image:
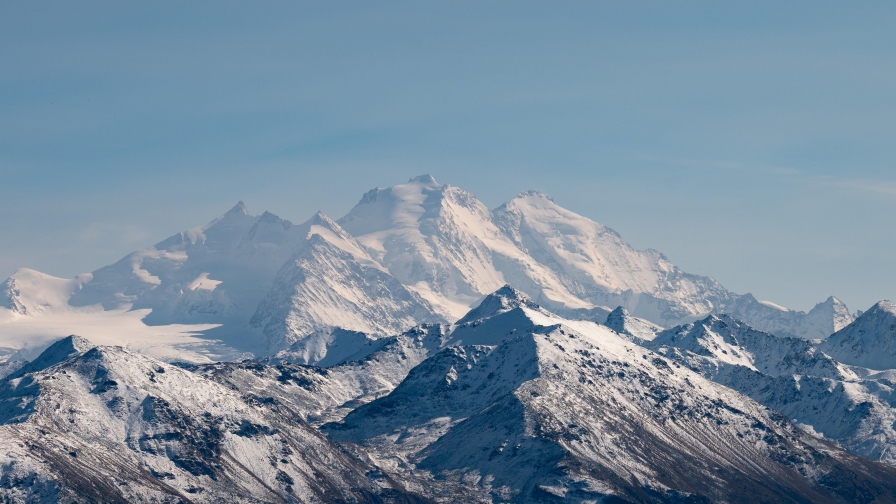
x=204 y=282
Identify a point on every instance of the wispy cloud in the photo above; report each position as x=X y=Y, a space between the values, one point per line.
x=883 y=187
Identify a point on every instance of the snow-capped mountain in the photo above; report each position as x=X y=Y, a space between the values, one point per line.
x=325 y=394
x=824 y=319
x=870 y=341
x=850 y=405
x=629 y=327
x=443 y=242
x=568 y=411
x=512 y=404
x=420 y=252
x=330 y=281
x=109 y=425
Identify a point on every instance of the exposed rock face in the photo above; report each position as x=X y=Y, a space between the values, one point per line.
x=850 y=405
x=565 y=411
x=109 y=425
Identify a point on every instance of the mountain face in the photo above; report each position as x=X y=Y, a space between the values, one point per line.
x=512 y=404
x=593 y=262
x=420 y=252
x=330 y=281
x=850 y=405
x=568 y=411
x=870 y=341
x=326 y=394
x=443 y=242
x=109 y=425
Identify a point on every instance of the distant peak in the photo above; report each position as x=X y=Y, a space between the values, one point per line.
x=322 y=219
x=532 y=193
x=424 y=179
x=616 y=319
x=885 y=306
x=59 y=351
x=620 y=311
x=240 y=208
x=508 y=292
x=502 y=300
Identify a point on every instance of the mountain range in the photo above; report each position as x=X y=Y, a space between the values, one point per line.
x=413 y=253
x=424 y=348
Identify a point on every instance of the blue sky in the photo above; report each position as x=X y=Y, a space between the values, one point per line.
x=752 y=143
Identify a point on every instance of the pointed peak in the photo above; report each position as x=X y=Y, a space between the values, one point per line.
x=59 y=351
x=617 y=318
x=269 y=217
x=322 y=219
x=239 y=209
x=502 y=300
x=831 y=301
x=426 y=179
x=620 y=311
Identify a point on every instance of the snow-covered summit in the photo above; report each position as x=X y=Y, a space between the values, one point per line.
x=869 y=341
x=621 y=321
x=58 y=352
x=502 y=300
x=331 y=281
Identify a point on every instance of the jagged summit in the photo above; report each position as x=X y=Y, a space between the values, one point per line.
x=239 y=208
x=534 y=194
x=502 y=300
x=869 y=341
x=59 y=351
x=621 y=321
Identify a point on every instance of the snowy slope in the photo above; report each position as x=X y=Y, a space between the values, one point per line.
x=596 y=265
x=109 y=425
x=37 y=313
x=627 y=326
x=567 y=411
x=850 y=405
x=217 y=273
x=324 y=394
x=441 y=241
x=870 y=341
x=330 y=281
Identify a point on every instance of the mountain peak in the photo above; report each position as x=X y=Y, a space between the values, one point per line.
x=320 y=218
x=532 y=193
x=869 y=341
x=621 y=321
x=502 y=300
x=59 y=351
x=239 y=208
x=884 y=306
x=426 y=179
